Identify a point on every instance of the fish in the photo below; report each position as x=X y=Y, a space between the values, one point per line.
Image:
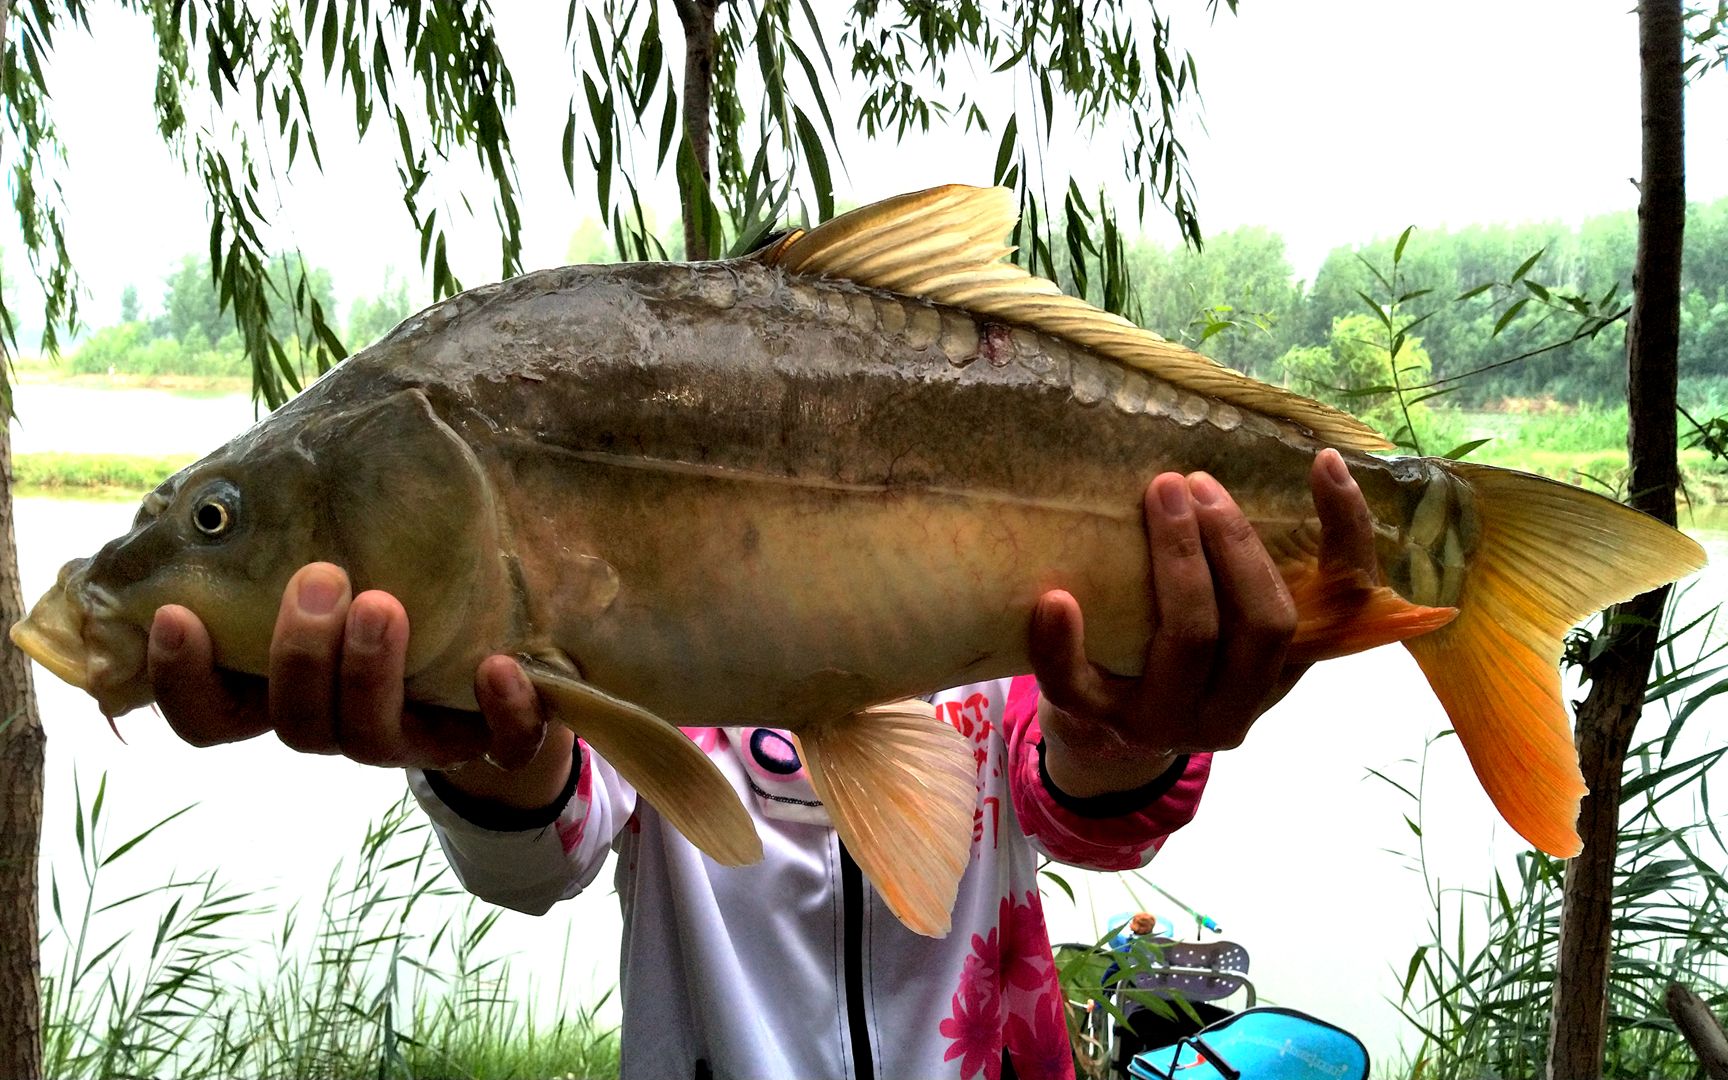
x=804 y=487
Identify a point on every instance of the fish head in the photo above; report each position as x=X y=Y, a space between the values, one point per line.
x=213 y=538
x=383 y=489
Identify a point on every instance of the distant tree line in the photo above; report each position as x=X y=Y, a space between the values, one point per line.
x=1239 y=301
x=192 y=335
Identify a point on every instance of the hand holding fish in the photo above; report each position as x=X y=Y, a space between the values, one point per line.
x=1223 y=622
x=336 y=687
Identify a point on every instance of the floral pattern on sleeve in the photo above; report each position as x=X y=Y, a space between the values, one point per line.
x=1009 y=998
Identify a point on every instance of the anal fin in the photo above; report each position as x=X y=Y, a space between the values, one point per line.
x=658 y=760
x=900 y=786
x=1340 y=614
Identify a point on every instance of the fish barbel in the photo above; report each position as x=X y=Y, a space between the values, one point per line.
x=800 y=488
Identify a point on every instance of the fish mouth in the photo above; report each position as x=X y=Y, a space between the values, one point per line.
x=77 y=633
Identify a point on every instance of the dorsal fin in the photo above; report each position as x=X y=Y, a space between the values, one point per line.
x=945 y=245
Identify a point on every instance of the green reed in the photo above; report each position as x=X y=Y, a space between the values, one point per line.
x=390 y=978
x=1478 y=991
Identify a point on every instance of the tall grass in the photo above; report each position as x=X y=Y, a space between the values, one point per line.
x=1478 y=991
x=388 y=979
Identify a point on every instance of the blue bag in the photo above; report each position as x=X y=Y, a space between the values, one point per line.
x=1259 y=1044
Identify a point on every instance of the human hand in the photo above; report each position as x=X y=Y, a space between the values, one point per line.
x=336 y=687
x=1222 y=623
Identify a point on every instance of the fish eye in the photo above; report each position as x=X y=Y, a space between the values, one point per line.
x=214 y=512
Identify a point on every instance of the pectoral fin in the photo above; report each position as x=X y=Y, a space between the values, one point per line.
x=658 y=760
x=900 y=786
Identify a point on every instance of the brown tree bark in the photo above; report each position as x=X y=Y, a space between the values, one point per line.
x=22 y=748
x=1702 y=1030
x=698 y=17
x=1609 y=713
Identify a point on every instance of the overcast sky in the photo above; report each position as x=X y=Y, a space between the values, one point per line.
x=1331 y=121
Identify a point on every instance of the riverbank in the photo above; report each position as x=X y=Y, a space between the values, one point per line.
x=87 y=476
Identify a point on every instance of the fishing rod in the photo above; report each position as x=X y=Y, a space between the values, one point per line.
x=1201 y=922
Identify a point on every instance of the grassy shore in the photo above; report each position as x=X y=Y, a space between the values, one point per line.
x=92 y=475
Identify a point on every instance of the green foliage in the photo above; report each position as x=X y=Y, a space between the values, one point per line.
x=1480 y=1003
x=1235 y=299
x=370 y=319
x=191 y=310
x=1497 y=332
x=231 y=99
x=192 y=336
x=1706 y=39
x=1355 y=370
x=435 y=69
x=387 y=979
x=1492 y=331
x=774 y=146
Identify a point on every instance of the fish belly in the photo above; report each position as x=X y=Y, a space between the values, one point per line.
x=740 y=599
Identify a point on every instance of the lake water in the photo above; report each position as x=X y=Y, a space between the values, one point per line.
x=1295 y=852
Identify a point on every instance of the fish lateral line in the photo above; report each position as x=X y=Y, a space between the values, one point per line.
x=675 y=467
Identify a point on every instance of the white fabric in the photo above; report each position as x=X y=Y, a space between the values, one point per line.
x=744 y=968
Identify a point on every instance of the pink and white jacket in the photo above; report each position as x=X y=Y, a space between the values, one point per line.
x=793 y=969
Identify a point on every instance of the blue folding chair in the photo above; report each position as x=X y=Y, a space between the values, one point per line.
x=1259 y=1044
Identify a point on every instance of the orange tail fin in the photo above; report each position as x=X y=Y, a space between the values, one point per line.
x=1548 y=556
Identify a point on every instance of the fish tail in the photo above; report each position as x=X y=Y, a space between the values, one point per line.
x=899 y=784
x=1545 y=556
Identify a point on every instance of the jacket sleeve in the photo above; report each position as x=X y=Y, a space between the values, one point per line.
x=1119 y=831
x=529 y=860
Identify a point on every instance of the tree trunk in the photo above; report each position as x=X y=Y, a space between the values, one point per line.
x=698 y=19
x=1702 y=1030
x=21 y=757
x=22 y=747
x=1609 y=714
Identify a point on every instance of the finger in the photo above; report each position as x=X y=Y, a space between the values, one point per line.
x=1184 y=608
x=369 y=687
x=303 y=658
x=1065 y=676
x=1346 y=527
x=514 y=719
x=201 y=704
x=1287 y=680
x=1257 y=617
x=440 y=738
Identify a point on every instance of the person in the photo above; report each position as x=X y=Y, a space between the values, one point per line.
x=793 y=968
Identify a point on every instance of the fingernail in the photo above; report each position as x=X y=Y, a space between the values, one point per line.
x=1335 y=467
x=318 y=594
x=1173 y=497
x=365 y=628
x=1206 y=490
x=168 y=634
